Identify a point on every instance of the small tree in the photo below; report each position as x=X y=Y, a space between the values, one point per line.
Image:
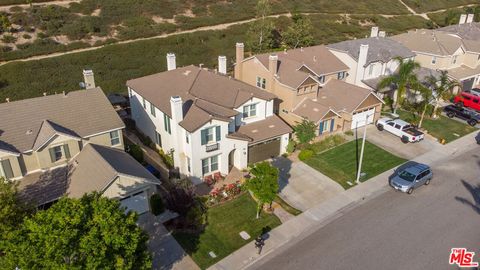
x=299 y=33
x=260 y=35
x=4 y=23
x=305 y=131
x=88 y=233
x=263 y=184
x=421 y=106
x=442 y=88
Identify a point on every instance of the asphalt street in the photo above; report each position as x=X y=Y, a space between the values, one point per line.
x=395 y=230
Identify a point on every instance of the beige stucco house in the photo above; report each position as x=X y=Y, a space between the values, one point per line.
x=310 y=83
x=41 y=137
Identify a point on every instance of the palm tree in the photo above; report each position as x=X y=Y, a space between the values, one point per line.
x=441 y=87
x=427 y=97
x=402 y=79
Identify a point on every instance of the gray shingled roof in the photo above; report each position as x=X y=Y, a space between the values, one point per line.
x=379 y=49
x=205 y=94
x=430 y=41
x=469 y=31
x=79 y=113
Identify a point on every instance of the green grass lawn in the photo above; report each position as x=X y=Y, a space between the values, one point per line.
x=221 y=235
x=442 y=127
x=339 y=163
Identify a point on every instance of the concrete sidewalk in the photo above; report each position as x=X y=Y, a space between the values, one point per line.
x=303 y=225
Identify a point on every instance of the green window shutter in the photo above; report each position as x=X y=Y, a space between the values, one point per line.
x=52 y=154
x=7 y=168
x=66 y=149
x=217 y=133
x=165 y=122
x=203 y=134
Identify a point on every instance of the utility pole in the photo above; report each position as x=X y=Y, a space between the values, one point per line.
x=361 y=151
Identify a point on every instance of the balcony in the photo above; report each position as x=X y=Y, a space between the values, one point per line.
x=212 y=147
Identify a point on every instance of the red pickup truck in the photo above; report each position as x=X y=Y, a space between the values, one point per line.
x=468 y=100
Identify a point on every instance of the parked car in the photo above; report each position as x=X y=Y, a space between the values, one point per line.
x=471 y=116
x=400 y=128
x=468 y=100
x=412 y=177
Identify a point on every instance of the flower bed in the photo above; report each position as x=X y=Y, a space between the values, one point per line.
x=224 y=193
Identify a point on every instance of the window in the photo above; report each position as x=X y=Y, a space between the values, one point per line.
x=434 y=60
x=158 y=139
x=114 y=138
x=59 y=152
x=187 y=138
x=370 y=69
x=166 y=123
x=261 y=82
x=209 y=165
x=321 y=79
x=6 y=169
x=326 y=126
x=454 y=59
x=250 y=110
x=189 y=168
x=144 y=103
x=152 y=110
x=341 y=75
x=210 y=135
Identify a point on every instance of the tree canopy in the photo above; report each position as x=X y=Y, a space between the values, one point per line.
x=263 y=184
x=260 y=35
x=305 y=131
x=92 y=232
x=299 y=33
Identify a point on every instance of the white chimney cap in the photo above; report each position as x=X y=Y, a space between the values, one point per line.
x=175 y=99
x=240 y=44
x=87 y=72
x=273 y=57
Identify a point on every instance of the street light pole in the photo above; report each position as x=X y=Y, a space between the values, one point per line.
x=361 y=151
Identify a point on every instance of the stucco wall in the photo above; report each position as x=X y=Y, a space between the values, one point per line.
x=104 y=139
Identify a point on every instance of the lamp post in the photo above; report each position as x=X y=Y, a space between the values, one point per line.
x=363 y=148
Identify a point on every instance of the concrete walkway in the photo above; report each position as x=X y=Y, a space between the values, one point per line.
x=306 y=223
x=302 y=186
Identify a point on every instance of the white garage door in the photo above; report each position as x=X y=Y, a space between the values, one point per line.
x=137 y=202
x=358 y=119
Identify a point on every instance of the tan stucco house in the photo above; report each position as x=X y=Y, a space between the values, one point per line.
x=40 y=138
x=310 y=83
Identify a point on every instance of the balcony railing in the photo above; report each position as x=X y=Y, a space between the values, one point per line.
x=212 y=147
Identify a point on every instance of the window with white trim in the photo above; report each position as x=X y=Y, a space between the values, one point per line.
x=261 y=82
x=209 y=165
x=114 y=138
x=166 y=123
x=321 y=79
x=454 y=59
x=152 y=110
x=144 y=103
x=210 y=135
x=341 y=75
x=250 y=110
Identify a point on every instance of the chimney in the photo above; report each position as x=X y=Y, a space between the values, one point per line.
x=382 y=34
x=222 y=64
x=463 y=18
x=374 y=31
x=88 y=79
x=171 y=61
x=362 y=60
x=273 y=63
x=176 y=106
x=239 y=54
x=470 y=18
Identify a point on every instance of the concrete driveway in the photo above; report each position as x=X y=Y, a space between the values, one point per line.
x=302 y=186
x=392 y=143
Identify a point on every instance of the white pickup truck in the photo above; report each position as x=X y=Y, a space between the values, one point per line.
x=400 y=128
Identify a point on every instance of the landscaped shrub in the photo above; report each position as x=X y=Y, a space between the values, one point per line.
x=156 y=203
x=167 y=159
x=136 y=152
x=305 y=154
x=349 y=133
x=9 y=39
x=291 y=146
x=196 y=217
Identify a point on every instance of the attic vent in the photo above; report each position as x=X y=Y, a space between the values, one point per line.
x=315 y=109
x=271 y=126
x=29 y=132
x=187 y=72
x=324 y=97
x=255 y=131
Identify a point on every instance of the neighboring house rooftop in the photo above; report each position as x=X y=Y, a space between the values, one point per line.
x=30 y=123
x=262 y=130
x=422 y=75
x=317 y=59
x=470 y=31
x=336 y=96
x=93 y=169
x=206 y=95
x=380 y=49
x=463 y=72
x=430 y=41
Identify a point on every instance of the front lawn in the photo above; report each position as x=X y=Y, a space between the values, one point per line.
x=442 y=127
x=340 y=162
x=221 y=235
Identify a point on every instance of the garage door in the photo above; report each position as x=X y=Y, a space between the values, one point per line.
x=264 y=150
x=358 y=119
x=137 y=202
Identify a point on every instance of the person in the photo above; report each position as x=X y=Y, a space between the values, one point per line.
x=259 y=243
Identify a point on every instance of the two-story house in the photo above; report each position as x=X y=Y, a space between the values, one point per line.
x=310 y=83
x=443 y=50
x=42 y=138
x=207 y=120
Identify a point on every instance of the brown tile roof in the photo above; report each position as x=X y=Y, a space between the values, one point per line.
x=81 y=113
x=430 y=41
x=206 y=94
x=97 y=166
x=316 y=58
x=463 y=72
x=311 y=110
x=268 y=128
